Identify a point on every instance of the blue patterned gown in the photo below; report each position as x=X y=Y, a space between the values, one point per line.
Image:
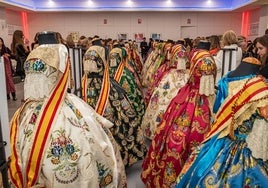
x=235 y=155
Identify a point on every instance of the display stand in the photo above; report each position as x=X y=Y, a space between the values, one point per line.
x=227 y=59
x=4 y=128
x=77 y=70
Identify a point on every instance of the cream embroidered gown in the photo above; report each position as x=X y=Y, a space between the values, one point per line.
x=76 y=151
x=173 y=79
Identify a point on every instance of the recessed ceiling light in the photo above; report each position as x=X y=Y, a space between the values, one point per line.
x=129 y=2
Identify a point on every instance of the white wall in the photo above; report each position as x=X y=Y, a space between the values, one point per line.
x=168 y=24
x=171 y=25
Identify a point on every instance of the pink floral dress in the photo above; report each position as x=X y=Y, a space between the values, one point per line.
x=184 y=125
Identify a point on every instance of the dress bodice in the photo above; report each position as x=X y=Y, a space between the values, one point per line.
x=93 y=61
x=205 y=67
x=44 y=65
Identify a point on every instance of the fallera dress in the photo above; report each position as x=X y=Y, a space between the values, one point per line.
x=148 y=63
x=169 y=84
x=110 y=100
x=57 y=140
x=183 y=126
x=234 y=153
x=120 y=72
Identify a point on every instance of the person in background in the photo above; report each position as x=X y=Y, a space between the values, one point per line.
x=10 y=86
x=144 y=48
x=34 y=44
x=69 y=41
x=242 y=43
x=21 y=52
x=230 y=56
x=262 y=51
x=214 y=44
x=60 y=39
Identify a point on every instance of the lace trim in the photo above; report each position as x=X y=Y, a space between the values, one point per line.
x=206 y=85
x=39 y=86
x=257 y=140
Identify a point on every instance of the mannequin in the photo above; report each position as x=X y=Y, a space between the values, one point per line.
x=47 y=37
x=244 y=69
x=247 y=68
x=203 y=44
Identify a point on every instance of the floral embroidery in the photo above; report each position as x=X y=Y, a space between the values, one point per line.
x=35 y=65
x=105 y=175
x=64 y=155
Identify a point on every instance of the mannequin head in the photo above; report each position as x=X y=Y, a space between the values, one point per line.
x=203 y=44
x=47 y=37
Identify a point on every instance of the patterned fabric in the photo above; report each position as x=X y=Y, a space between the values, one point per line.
x=178 y=59
x=161 y=98
x=124 y=77
x=226 y=159
x=148 y=77
x=148 y=63
x=166 y=87
x=117 y=109
x=75 y=149
x=183 y=127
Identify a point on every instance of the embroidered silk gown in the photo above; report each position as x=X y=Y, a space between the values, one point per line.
x=167 y=88
x=183 y=126
x=124 y=77
x=110 y=100
x=178 y=53
x=152 y=69
x=234 y=153
x=57 y=140
x=148 y=63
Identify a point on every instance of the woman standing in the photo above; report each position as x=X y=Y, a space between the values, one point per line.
x=21 y=51
x=230 y=56
x=10 y=87
x=262 y=51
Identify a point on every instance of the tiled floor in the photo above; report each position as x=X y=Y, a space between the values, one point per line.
x=133 y=173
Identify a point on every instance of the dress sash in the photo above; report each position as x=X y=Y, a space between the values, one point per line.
x=104 y=94
x=119 y=71
x=254 y=90
x=44 y=124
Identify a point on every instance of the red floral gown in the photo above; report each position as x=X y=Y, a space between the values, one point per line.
x=184 y=124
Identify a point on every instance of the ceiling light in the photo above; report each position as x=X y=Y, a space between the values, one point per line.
x=129 y=2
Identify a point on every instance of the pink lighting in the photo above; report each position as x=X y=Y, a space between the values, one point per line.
x=25 y=24
x=245 y=24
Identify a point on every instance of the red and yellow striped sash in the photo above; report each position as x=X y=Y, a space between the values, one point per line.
x=41 y=135
x=119 y=71
x=15 y=172
x=104 y=94
x=254 y=89
x=84 y=87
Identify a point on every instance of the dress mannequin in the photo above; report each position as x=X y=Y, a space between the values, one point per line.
x=203 y=44
x=244 y=69
x=47 y=37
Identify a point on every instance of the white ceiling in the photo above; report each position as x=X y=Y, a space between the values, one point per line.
x=134 y=5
